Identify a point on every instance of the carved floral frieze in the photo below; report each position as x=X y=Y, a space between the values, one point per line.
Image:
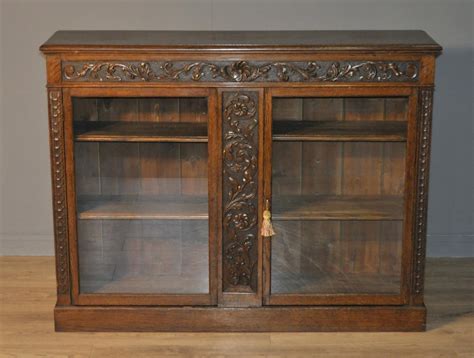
x=242 y=71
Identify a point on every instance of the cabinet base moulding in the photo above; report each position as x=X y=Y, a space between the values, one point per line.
x=271 y=319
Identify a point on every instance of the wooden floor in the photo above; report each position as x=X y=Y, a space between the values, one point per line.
x=27 y=297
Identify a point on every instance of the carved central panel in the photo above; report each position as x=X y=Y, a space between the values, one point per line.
x=240 y=199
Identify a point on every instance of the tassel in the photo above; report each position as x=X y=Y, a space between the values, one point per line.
x=267 y=227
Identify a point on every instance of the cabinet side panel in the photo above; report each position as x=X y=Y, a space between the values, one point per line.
x=53 y=70
x=58 y=170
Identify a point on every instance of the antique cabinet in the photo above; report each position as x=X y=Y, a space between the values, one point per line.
x=170 y=151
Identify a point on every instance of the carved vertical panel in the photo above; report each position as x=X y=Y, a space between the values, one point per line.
x=423 y=162
x=240 y=198
x=58 y=167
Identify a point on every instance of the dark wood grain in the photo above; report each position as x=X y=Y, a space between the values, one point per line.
x=258 y=40
x=275 y=319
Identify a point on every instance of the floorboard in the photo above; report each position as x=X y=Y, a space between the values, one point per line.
x=27 y=297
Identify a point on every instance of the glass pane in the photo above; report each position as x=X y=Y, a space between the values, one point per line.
x=141 y=189
x=143 y=256
x=324 y=257
x=338 y=177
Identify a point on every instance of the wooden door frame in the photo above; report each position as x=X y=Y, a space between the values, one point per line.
x=407 y=241
x=113 y=299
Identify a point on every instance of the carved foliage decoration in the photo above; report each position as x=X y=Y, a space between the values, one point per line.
x=240 y=153
x=105 y=71
x=56 y=119
x=426 y=105
x=243 y=71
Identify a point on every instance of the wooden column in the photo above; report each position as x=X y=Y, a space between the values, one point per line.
x=425 y=112
x=58 y=175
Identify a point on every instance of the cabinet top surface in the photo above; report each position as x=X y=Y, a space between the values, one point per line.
x=352 y=41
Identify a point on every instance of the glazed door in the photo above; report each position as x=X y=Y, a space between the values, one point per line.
x=144 y=213
x=336 y=177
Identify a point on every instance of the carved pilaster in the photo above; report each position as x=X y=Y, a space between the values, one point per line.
x=423 y=162
x=56 y=122
x=240 y=199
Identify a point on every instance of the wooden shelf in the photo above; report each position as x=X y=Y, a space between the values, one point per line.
x=124 y=207
x=371 y=131
x=105 y=131
x=305 y=207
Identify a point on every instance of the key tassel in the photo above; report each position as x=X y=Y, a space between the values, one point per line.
x=267 y=227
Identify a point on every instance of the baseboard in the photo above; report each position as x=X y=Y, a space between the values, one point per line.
x=262 y=319
x=26 y=245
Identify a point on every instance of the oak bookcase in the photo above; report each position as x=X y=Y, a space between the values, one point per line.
x=167 y=147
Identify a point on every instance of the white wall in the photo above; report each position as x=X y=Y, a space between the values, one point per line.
x=25 y=211
x=2 y=131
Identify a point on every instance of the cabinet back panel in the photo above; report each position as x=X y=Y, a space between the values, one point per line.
x=141 y=168
x=143 y=256
x=310 y=267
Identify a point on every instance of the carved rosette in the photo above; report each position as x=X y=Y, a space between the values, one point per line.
x=243 y=71
x=56 y=121
x=240 y=200
x=423 y=157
